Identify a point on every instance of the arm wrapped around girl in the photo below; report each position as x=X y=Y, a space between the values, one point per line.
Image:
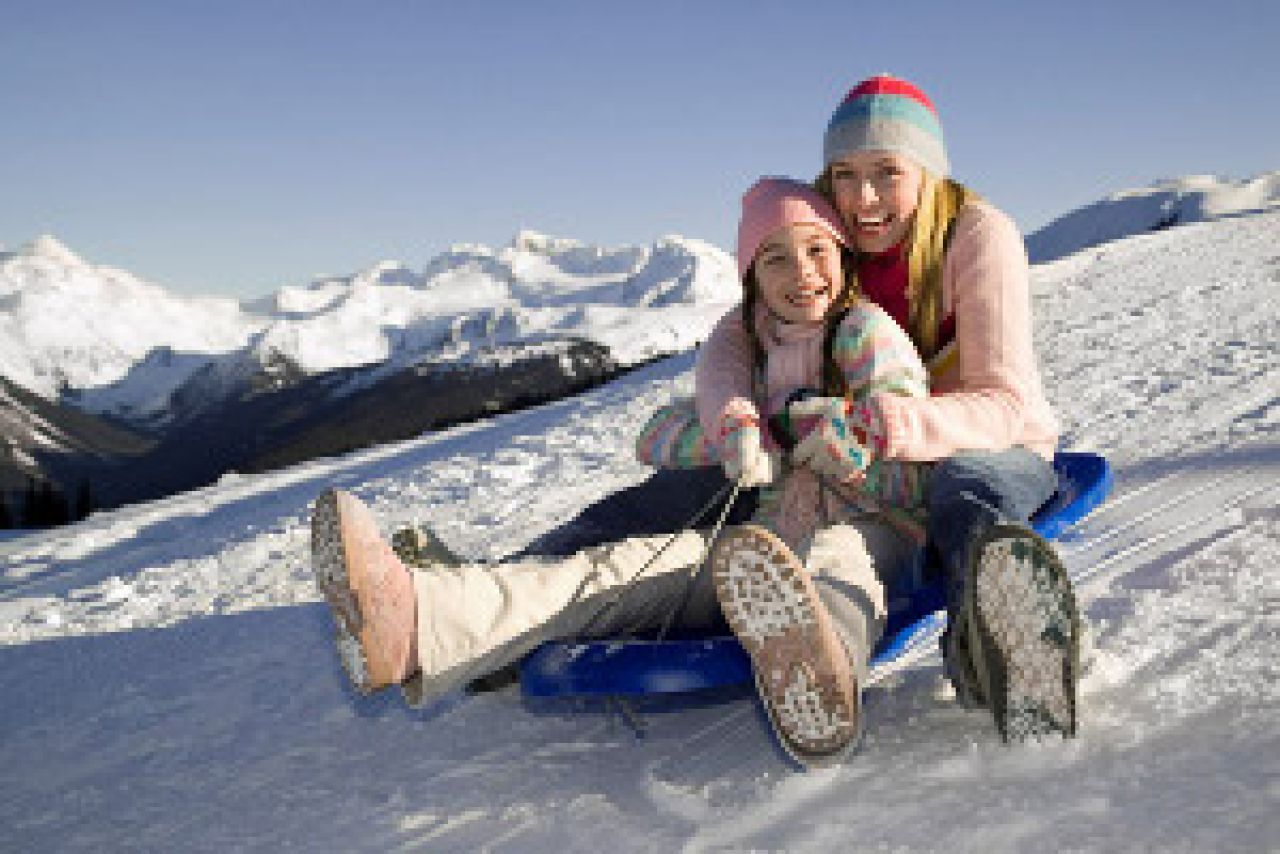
x=836 y=433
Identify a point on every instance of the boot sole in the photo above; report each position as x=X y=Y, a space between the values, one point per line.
x=802 y=674
x=1026 y=624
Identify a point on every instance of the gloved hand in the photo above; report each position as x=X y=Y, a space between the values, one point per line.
x=838 y=439
x=743 y=456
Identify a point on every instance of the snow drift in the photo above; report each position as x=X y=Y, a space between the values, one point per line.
x=1180 y=201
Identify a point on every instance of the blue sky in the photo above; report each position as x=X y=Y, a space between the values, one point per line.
x=234 y=147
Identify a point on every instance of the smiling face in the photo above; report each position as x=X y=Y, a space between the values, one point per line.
x=876 y=193
x=799 y=272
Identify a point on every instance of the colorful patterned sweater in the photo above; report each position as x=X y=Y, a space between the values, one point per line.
x=874 y=356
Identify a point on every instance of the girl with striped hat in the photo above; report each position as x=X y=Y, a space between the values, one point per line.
x=953 y=271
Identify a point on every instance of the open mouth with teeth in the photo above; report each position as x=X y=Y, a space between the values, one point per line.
x=873 y=224
x=808 y=297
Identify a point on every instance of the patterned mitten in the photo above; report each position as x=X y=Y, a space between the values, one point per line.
x=840 y=438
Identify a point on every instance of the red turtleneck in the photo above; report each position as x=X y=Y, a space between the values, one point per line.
x=883 y=279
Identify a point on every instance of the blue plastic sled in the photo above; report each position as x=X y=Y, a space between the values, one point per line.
x=641 y=667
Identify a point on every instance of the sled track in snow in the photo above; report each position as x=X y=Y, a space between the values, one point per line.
x=1157 y=518
x=1155 y=521
x=1143 y=527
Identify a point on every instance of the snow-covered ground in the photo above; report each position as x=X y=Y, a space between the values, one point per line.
x=167 y=682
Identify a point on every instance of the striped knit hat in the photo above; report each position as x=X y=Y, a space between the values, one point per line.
x=884 y=113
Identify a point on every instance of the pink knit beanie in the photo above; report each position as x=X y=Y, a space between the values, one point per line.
x=773 y=203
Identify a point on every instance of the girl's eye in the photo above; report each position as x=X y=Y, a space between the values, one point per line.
x=770 y=260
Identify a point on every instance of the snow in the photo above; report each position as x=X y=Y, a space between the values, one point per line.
x=169 y=684
x=1176 y=201
x=122 y=346
x=66 y=323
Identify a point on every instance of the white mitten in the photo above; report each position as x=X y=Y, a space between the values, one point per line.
x=743 y=455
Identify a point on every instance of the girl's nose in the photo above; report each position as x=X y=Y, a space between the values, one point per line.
x=806 y=268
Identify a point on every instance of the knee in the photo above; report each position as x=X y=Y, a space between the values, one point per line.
x=1011 y=484
x=845 y=575
x=960 y=479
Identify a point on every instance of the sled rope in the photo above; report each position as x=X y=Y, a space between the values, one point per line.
x=702 y=561
x=732 y=491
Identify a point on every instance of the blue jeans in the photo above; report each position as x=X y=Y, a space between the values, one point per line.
x=973 y=490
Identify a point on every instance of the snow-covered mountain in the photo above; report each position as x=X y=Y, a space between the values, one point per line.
x=169 y=681
x=66 y=324
x=471 y=302
x=1196 y=198
x=112 y=344
x=339 y=363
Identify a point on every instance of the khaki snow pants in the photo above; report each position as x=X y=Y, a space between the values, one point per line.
x=475 y=619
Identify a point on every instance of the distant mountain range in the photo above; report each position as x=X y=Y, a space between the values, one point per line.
x=145 y=393
x=36 y=432
x=114 y=381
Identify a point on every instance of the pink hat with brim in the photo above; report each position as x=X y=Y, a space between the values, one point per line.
x=773 y=203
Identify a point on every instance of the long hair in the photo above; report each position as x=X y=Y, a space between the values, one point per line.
x=941 y=199
x=833 y=384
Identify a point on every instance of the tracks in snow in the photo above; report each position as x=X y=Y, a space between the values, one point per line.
x=1151 y=522
x=1160 y=520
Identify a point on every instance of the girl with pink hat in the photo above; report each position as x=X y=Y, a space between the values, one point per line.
x=952 y=270
x=803 y=586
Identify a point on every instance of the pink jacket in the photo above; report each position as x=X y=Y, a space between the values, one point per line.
x=874 y=356
x=986 y=392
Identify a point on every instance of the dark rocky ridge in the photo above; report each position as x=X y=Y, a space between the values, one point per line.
x=271 y=425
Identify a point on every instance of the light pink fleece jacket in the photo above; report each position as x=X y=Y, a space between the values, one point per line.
x=986 y=392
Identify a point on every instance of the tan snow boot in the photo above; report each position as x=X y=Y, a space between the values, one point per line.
x=803 y=674
x=368 y=589
x=421 y=547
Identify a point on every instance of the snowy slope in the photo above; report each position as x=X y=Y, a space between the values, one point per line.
x=1178 y=201
x=168 y=685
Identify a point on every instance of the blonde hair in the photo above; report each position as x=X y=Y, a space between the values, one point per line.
x=941 y=200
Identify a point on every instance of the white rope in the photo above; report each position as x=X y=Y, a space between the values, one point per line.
x=702 y=562
x=613 y=600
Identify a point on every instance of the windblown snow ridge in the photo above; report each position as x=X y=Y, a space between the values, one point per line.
x=1196 y=198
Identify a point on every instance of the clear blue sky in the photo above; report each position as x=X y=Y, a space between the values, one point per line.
x=233 y=147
